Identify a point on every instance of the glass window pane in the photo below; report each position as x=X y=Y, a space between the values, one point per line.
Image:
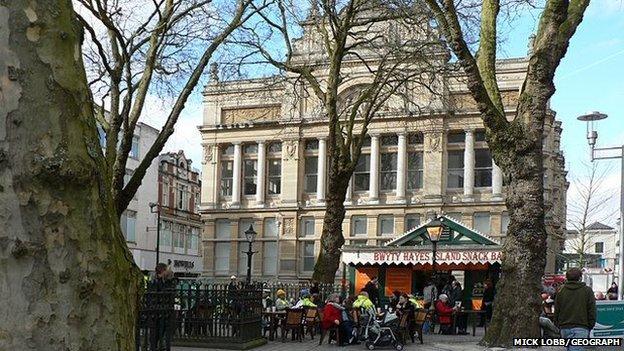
x=415 y=138
x=412 y=221
x=360 y=224
x=250 y=170
x=386 y=224
x=480 y=135
x=309 y=227
x=455 y=174
x=222 y=257
x=483 y=158
x=362 y=173
x=308 y=256
x=243 y=225
x=415 y=170
x=482 y=222
x=270 y=228
x=269 y=258
x=504 y=222
x=456 y=137
x=227 y=150
x=312 y=144
x=275 y=176
x=275 y=146
x=363 y=164
x=250 y=149
x=223 y=229
x=456 y=159
x=389 y=140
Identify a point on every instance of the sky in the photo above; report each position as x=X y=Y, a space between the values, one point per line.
x=590 y=77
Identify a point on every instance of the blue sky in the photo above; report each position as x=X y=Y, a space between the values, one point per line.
x=590 y=77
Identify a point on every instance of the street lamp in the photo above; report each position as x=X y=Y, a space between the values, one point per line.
x=434 y=229
x=250 y=234
x=157 y=207
x=592 y=136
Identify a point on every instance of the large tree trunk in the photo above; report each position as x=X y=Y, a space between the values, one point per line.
x=517 y=302
x=332 y=238
x=67 y=278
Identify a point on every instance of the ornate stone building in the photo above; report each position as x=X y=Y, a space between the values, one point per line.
x=265 y=162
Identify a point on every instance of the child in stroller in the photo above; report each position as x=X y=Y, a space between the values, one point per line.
x=380 y=330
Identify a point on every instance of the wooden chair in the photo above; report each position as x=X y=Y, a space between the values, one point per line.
x=420 y=316
x=333 y=330
x=293 y=322
x=405 y=328
x=311 y=321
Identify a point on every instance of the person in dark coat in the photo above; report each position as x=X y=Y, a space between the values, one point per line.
x=575 y=307
x=488 y=300
x=394 y=299
x=457 y=295
x=372 y=288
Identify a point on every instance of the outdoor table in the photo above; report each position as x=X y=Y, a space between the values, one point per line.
x=275 y=317
x=471 y=314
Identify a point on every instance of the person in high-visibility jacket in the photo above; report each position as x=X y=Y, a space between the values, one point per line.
x=414 y=302
x=363 y=301
x=305 y=299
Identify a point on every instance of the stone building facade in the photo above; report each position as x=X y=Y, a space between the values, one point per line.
x=265 y=162
x=179 y=193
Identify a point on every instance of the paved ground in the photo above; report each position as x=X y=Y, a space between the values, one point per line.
x=431 y=343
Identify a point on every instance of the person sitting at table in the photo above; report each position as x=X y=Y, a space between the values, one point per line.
x=335 y=314
x=406 y=308
x=305 y=300
x=280 y=302
x=364 y=302
x=445 y=314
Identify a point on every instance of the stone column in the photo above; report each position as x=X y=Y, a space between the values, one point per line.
x=261 y=176
x=373 y=189
x=497 y=182
x=322 y=169
x=469 y=165
x=237 y=181
x=210 y=177
x=401 y=168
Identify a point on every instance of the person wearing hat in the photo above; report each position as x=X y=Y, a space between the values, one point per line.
x=305 y=299
x=280 y=302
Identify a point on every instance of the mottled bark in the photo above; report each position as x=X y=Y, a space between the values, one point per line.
x=67 y=278
x=332 y=237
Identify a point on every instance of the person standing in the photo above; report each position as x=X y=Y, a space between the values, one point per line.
x=575 y=308
x=613 y=291
x=488 y=300
x=430 y=294
x=372 y=288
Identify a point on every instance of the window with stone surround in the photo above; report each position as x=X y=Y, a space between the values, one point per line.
x=412 y=221
x=275 y=176
x=481 y=222
x=455 y=174
x=222 y=258
x=310 y=173
x=307 y=227
x=456 y=136
x=386 y=225
x=483 y=168
x=307 y=248
x=269 y=258
x=227 y=177
x=361 y=174
x=250 y=173
x=416 y=138
x=227 y=150
x=275 y=147
x=414 y=170
x=359 y=225
x=311 y=144
x=223 y=229
x=388 y=172
x=243 y=225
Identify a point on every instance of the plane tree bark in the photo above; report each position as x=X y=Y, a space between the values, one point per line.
x=67 y=279
x=516 y=147
x=353 y=31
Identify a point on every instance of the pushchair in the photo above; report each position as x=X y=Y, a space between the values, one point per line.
x=382 y=331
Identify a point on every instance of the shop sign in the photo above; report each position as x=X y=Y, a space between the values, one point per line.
x=609 y=319
x=183 y=264
x=422 y=257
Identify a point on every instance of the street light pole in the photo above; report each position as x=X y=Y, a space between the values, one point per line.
x=157 y=206
x=434 y=229
x=250 y=234
x=592 y=136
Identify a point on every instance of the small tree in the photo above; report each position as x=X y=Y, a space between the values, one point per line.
x=589 y=205
x=516 y=145
x=394 y=59
x=137 y=48
x=68 y=280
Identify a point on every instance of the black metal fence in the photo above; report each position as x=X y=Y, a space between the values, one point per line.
x=293 y=290
x=201 y=315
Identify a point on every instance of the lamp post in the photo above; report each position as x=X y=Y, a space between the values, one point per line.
x=434 y=229
x=250 y=234
x=605 y=153
x=157 y=207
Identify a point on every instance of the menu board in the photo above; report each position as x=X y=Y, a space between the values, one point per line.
x=398 y=278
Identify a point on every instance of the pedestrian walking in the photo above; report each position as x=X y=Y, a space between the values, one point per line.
x=575 y=308
x=372 y=288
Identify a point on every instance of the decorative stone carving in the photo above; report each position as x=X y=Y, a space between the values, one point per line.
x=289 y=226
x=290 y=149
x=434 y=142
x=208 y=153
x=250 y=114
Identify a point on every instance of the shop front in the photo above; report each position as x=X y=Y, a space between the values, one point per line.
x=406 y=263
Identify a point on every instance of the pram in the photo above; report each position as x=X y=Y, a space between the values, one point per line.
x=380 y=331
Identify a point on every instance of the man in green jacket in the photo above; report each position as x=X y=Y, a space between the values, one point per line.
x=575 y=308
